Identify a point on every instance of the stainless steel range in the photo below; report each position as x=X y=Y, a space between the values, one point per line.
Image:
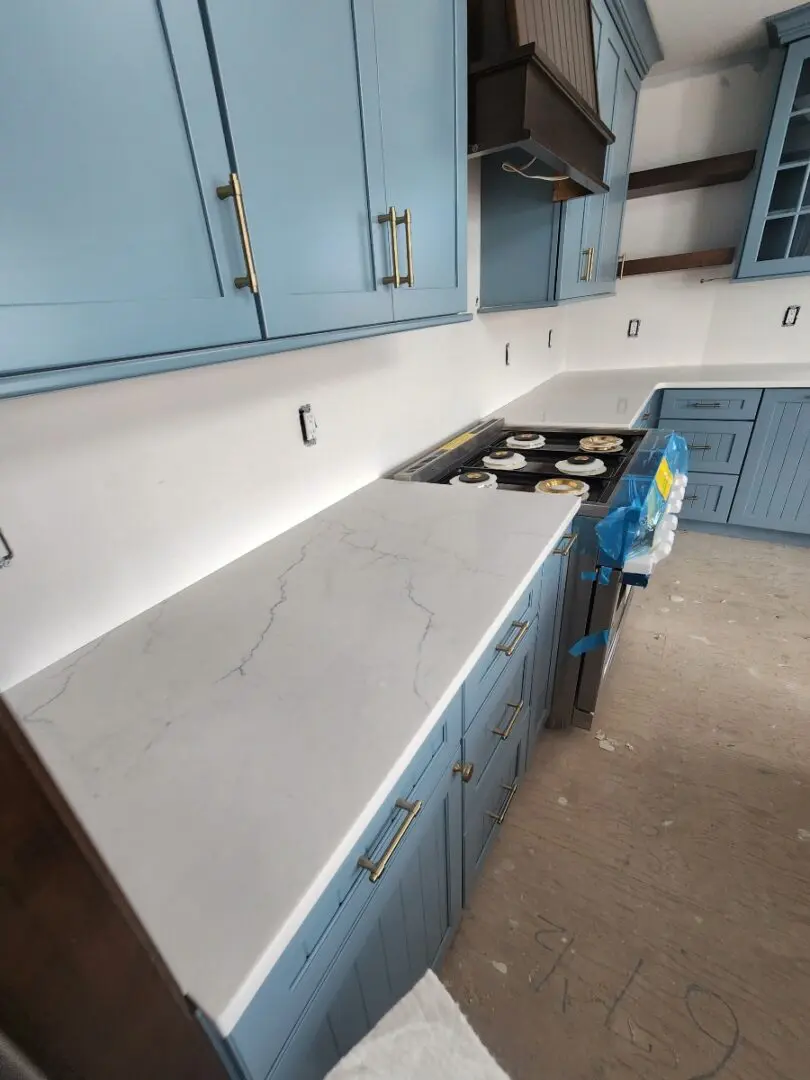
x=599 y=589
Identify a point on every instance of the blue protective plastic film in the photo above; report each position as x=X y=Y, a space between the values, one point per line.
x=641 y=501
x=589 y=643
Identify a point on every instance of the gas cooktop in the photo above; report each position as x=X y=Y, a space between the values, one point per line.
x=490 y=455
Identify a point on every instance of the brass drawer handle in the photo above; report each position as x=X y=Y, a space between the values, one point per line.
x=622 y=264
x=390 y=219
x=589 y=257
x=701 y=448
x=565 y=544
x=407 y=220
x=466 y=768
x=518 y=709
x=233 y=190
x=375 y=870
x=691 y=498
x=523 y=629
x=501 y=817
x=705 y=405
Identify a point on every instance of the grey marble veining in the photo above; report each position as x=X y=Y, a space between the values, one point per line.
x=227 y=748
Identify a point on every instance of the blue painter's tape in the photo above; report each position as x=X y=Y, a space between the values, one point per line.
x=604 y=575
x=589 y=643
x=588 y=575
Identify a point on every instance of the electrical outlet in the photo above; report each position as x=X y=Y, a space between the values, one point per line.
x=309 y=425
x=633 y=327
x=506 y=354
x=791 y=315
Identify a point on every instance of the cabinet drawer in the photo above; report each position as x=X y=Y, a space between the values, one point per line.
x=722 y=404
x=258 y=1036
x=716 y=446
x=708 y=497
x=499 y=717
x=501 y=651
x=486 y=807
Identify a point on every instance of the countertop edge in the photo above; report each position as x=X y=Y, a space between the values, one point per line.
x=228 y=1017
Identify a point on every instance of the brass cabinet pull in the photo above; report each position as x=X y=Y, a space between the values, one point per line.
x=375 y=870
x=588 y=253
x=500 y=817
x=390 y=219
x=622 y=263
x=523 y=629
x=705 y=405
x=565 y=544
x=701 y=448
x=691 y=498
x=466 y=768
x=518 y=709
x=406 y=221
x=233 y=190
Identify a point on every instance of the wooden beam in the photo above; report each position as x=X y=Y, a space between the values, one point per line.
x=690 y=260
x=707 y=172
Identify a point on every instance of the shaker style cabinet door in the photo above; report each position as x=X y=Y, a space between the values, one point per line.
x=114 y=242
x=422 y=71
x=774 y=487
x=299 y=85
x=591 y=226
x=778 y=238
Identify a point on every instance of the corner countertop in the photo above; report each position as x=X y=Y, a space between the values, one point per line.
x=616 y=397
x=226 y=750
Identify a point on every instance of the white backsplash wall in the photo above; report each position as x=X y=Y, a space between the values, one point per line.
x=118 y=495
x=682 y=118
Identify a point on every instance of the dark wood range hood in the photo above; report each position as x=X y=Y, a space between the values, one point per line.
x=533 y=86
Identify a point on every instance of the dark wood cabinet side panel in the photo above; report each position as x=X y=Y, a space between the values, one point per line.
x=83 y=991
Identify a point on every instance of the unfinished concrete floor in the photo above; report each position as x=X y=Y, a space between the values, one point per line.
x=645 y=911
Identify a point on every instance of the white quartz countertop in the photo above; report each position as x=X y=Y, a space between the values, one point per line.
x=226 y=749
x=616 y=398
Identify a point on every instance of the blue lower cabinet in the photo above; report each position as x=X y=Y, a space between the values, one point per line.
x=403 y=932
x=716 y=446
x=774 y=487
x=708 y=497
x=487 y=805
x=549 y=618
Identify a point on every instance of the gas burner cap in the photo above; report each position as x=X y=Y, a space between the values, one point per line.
x=504 y=459
x=582 y=465
x=558 y=485
x=476 y=478
x=604 y=444
x=526 y=440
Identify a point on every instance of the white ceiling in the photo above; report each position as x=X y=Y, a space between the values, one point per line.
x=697 y=32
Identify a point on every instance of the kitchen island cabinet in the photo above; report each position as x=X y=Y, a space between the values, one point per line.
x=173 y=736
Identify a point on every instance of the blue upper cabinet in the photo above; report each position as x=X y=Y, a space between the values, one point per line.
x=777 y=242
x=299 y=86
x=114 y=241
x=195 y=181
x=536 y=251
x=340 y=112
x=774 y=487
x=591 y=226
x=422 y=73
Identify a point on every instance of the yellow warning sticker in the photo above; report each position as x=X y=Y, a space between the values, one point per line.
x=663 y=478
x=458 y=441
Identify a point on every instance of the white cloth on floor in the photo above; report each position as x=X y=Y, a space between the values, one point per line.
x=424 y=1036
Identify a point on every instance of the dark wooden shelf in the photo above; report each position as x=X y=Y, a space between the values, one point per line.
x=690 y=260
x=708 y=172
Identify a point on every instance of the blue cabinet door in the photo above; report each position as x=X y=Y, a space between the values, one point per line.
x=777 y=241
x=708 y=497
x=591 y=226
x=114 y=242
x=402 y=932
x=716 y=446
x=299 y=84
x=774 y=487
x=422 y=72
x=549 y=618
